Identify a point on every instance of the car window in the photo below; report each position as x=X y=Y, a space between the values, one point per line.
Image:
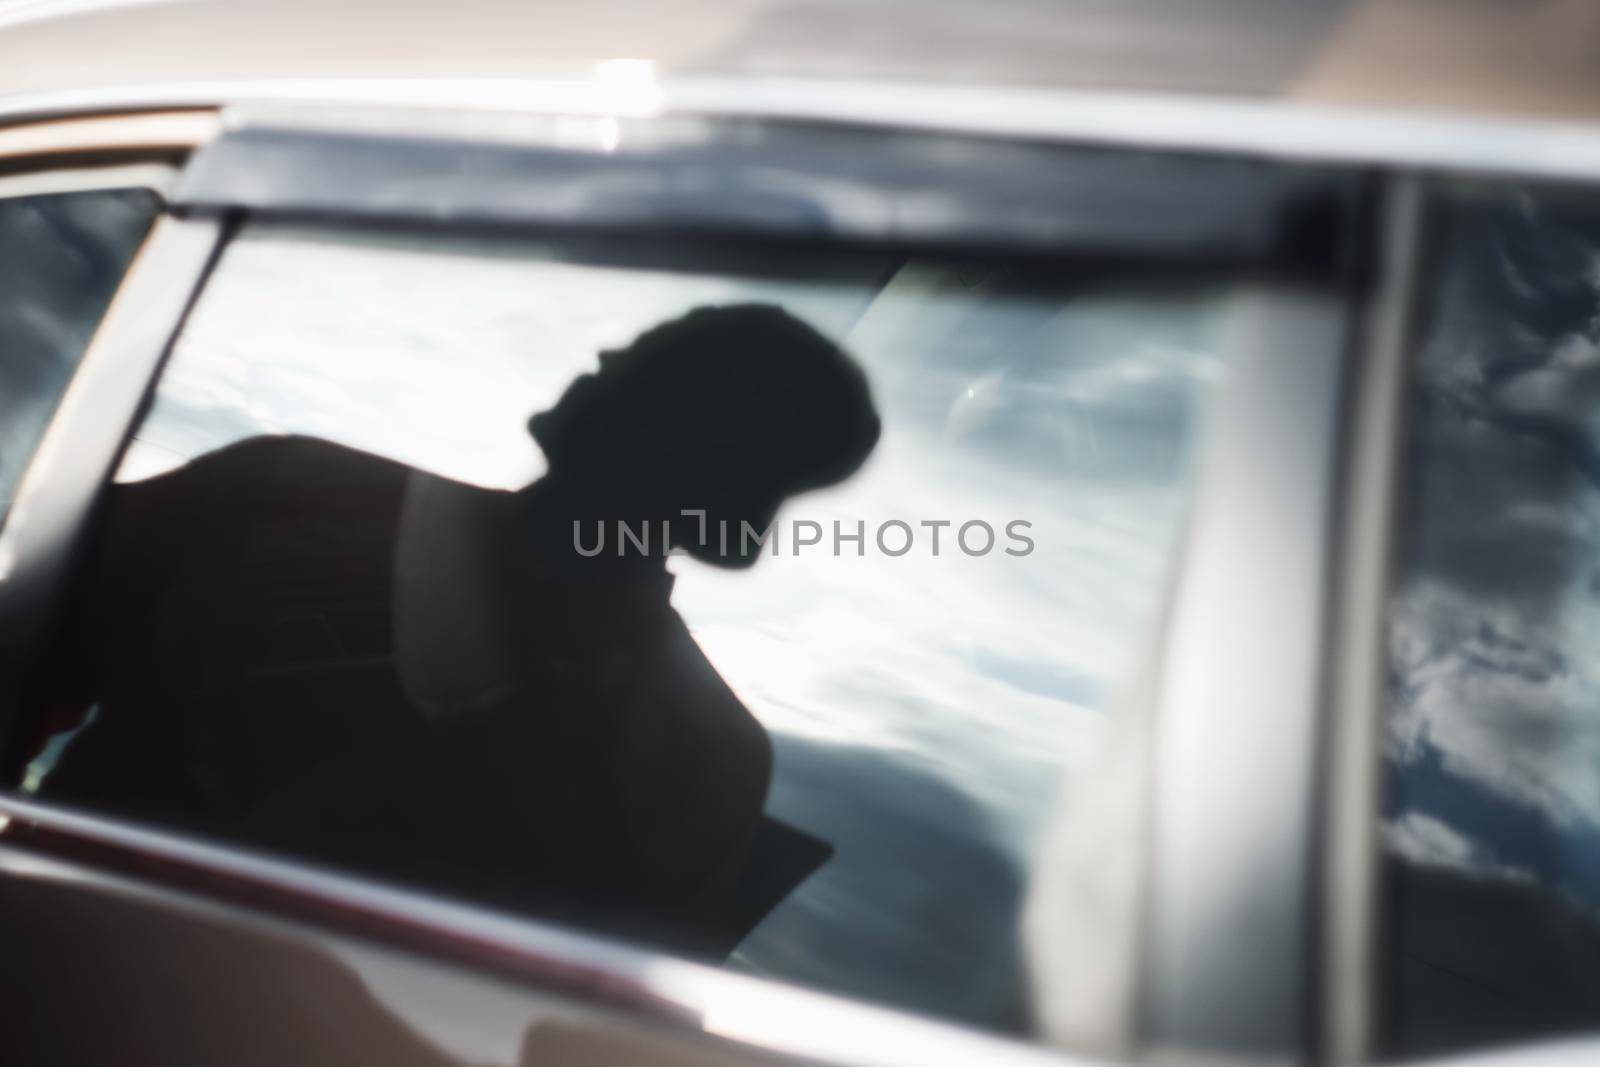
x=61 y=257
x=381 y=584
x=1491 y=815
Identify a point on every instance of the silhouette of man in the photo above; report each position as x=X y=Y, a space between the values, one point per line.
x=330 y=653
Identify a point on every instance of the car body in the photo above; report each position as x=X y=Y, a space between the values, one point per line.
x=1213 y=891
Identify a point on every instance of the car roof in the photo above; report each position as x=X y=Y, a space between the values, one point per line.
x=1416 y=54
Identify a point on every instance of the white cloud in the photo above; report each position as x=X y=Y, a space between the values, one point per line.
x=1497 y=611
x=1423 y=839
x=1491 y=688
x=1429 y=842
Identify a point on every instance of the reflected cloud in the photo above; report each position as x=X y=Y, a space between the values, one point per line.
x=1493 y=739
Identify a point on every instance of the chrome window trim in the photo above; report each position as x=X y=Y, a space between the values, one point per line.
x=1560 y=1052
x=1373 y=456
x=1283 y=129
x=763 y=1016
x=80 y=448
x=155 y=176
x=148 y=133
x=1581 y=1051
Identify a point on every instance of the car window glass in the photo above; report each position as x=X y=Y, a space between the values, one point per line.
x=1491 y=815
x=61 y=257
x=355 y=605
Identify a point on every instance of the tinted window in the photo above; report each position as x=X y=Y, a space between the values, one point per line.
x=1492 y=814
x=354 y=605
x=61 y=257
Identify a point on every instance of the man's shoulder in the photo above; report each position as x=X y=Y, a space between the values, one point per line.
x=263 y=478
x=292 y=456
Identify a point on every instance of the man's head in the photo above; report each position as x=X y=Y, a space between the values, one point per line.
x=727 y=409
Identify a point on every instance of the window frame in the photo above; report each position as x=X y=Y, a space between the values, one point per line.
x=56 y=494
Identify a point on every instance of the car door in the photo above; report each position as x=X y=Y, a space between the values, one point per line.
x=1111 y=382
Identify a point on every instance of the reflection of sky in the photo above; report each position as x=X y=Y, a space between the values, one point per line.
x=1494 y=735
x=923 y=707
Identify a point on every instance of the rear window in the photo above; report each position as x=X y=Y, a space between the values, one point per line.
x=1491 y=820
x=750 y=604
